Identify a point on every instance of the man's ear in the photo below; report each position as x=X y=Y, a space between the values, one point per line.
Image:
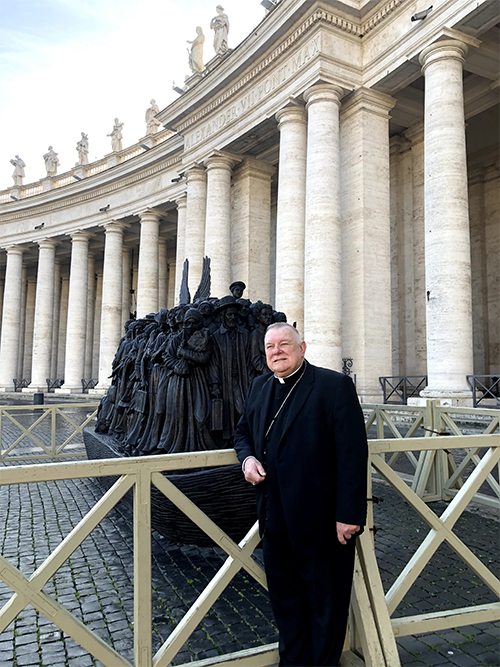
x=303 y=347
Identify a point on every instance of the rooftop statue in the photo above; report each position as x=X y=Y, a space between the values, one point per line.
x=196 y=52
x=18 y=173
x=116 y=136
x=152 y=123
x=51 y=162
x=220 y=24
x=83 y=149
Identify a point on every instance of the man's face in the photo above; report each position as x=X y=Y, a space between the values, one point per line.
x=231 y=317
x=284 y=353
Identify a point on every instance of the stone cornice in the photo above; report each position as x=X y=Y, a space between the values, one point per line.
x=65 y=202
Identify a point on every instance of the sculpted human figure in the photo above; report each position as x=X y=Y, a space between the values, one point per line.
x=152 y=123
x=263 y=317
x=237 y=288
x=220 y=24
x=82 y=148
x=18 y=173
x=196 y=52
x=187 y=409
x=51 y=162
x=116 y=136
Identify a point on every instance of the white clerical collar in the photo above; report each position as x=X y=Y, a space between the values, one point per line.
x=282 y=380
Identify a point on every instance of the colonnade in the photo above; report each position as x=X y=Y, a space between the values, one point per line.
x=333 y=244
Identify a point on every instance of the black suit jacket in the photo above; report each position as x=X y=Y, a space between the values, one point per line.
x=322 y=454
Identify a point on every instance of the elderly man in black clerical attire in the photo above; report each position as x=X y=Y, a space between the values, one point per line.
x=302 y=443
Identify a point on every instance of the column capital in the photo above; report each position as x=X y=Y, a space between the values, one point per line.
x=221 y=160
x=292 y=114
x=47 y=244
x=196 y=172
x=415 y=133
x=323 y=92
x=114 y=226
x=80 y=235
x=398 y=145
x=367 y=99
x=259 y=168
x=150 y=215
x=15 y=249
x=181 y=202
x=448 y=49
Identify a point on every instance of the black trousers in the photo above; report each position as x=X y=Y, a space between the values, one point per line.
x=310 y=599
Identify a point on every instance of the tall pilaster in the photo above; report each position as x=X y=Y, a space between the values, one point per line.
x=111 y=313
x=29 y=327
x=126 y=286
x=77 y=315
x=44 y=315
x=366 y=238
x=89 y=336
x=97 y=322
x=22 y=328
x=251 y=228
x=63 y=322
x=290 y=222
x=55 y=322
x=447 y=238
x=322 y=266
x=218 y=221
x=180 y=255
x=11 y=318
x=147 y=282
x=196 y=209
x=162 y=273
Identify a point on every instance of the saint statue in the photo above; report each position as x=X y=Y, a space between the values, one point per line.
x=18 y=173
x=220 y=24
x=82 y=148
x=51 y=162
x=116 y=136
x=152 y=123
x=196 y=52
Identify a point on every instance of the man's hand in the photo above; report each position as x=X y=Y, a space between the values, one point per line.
x=345 y=531
x=254 y=472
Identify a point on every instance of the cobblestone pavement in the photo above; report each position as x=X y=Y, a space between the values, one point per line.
x=96 y=583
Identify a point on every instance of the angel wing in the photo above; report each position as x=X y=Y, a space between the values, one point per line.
x=203 y=291
x=184 y=296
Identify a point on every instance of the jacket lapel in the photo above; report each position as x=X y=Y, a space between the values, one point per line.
x=264 y=401
x=297 y=399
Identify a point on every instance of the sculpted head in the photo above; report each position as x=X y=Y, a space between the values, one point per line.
x=284 y=349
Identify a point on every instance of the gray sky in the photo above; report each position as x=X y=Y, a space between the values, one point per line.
x=69 y=66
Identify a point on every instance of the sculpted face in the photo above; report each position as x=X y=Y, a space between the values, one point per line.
x=284 y=353
x=266 y=316
x=231 y=317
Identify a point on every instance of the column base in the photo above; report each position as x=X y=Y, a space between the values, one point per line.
x=34 y=389
x=68 y=389
x=453 y=398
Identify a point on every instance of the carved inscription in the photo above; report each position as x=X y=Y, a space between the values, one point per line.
x=256 y=94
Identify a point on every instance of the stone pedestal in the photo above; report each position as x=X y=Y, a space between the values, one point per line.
x=218 y=221
x=366 y=239
x=77 y=315
x=47 y=184
x=290 y=219
x=147 y=281
x=447 y=239
x=11 y=318
x=44 y=315
x=194 y=248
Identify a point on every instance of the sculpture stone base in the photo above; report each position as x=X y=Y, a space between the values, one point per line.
x=221 y=493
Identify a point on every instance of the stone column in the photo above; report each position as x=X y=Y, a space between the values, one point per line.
x=290 y=222
x=147 y=282
x=162 y=273
x=492 y=266
x=416 y=136
x=251 y=228
x=97 y=322
x=126 y=286
x=447 y=239
x=22 y=329
x=28 y=327
x=77 y=315
x=89 y=335
x=111 y=313
x=181 y=245
x=63 y=322
x=366 y=238
x=11 y=318
x=323 y=275
x=2 y=290
x=218 y=221
x=55 y=322
x=196 y=208
x=44 y=315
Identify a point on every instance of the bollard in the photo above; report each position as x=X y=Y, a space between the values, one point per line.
x=38 y=399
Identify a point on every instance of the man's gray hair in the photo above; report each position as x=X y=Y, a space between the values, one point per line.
x=285 y=325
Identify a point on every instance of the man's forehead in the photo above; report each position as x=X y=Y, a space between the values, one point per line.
x=280 y=336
